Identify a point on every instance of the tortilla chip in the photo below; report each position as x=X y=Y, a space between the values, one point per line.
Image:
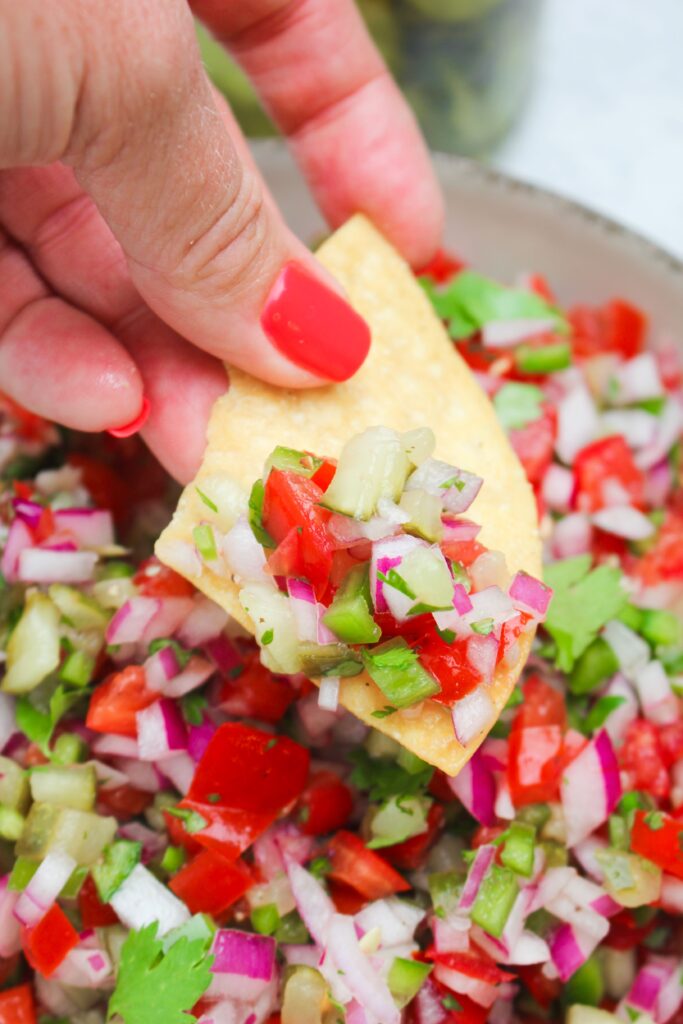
x=413 y=377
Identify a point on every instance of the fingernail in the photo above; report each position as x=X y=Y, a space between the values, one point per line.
x=135 y=425
x=313 y=326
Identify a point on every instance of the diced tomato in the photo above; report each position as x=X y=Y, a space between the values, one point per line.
x=285 y=560
x=47 y=943
x=485 y=834
x=292 y=501
x=450 y=666
x=256 y=692
x=156 y=580
x=534 y=764
x=124 y=801
x=45 y=526
x=538 y=284
x=463 y=551
x=346 y=900
x=325 y=805
x=116 y=701
x=664 y=560
x=510 y=634
x=17 y=1006
x=431 y=1006
x=670 y=739
x=573 y=743
x=542 y=705
x=8 y=969
x=228 y=831
x=34 y=756
x=362 y=869
x=442 y=267
x=641 y=757
x=411 y=853
x=534 y=444
x=659 y=838
x=440 y=788
x=604 y=462
x=324 y=474
x=210 y=884
x=94 y=913
x=472 y=966
x=31 y=426
x=625 y=933
x=107 y=489
x=544 y=990
x=179 y=836
x=618 y=327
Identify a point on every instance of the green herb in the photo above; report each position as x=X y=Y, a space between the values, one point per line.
x=119 y=860
x=393 y=579
x=654 y=820
x=383 y=779
x=600 y=712
x=453 y=481
x=271 y=743
x=483 y=627
x=256 y=515
x=447 y=635
x=193 y=705
x=267 y=637
x=319 y=867
x=449 y=1002
x=205 y=542
x=207 y=500
x=583 y=602
x=543 y=359
x=153 y=987
x=517 y=405
x=515 y=699
x=597 y=663
x=384 y=712
x=182 y=655
x=173 y=859
x=38 y=725
x=396 y=670
x=192 y=820
x=77 y=669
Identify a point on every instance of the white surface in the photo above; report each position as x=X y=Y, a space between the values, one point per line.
x=605 y=122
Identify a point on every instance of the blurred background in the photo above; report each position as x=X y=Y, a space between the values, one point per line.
x=582 y=96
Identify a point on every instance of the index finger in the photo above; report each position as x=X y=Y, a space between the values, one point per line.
x=350 y=129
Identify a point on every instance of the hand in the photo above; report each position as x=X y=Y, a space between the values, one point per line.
x=139 y=247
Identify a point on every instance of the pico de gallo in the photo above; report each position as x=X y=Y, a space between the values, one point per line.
x=191 y=830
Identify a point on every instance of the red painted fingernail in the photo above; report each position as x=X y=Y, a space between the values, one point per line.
x=313 y=326
x=135 y=425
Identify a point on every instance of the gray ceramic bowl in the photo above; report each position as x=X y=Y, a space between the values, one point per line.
x=503 y=226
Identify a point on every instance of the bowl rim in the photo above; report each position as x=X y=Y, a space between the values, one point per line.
x=451 y=168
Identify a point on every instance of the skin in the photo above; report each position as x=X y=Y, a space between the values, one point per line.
x=137 y=242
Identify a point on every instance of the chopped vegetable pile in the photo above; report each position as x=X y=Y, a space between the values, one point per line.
x=191 y=830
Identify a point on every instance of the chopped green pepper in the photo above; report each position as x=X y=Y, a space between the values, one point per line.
x=495 y=899
x=395 y=668
x=519 y=848
x=119 y=860
x=349 y=615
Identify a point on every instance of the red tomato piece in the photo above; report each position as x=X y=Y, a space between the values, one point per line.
x=428 y=1007
x=641 y=757
x=324 y=474
x=625 y=933
x=47 y=943
x=362 y=869
x=534 y=764
x=411 y=853
x=617 y=327
x=463 y=551
x=124 y=801
x=256 y=692
x=285 y=560
x=346 y=900
x=659 y=838
x=442 y=267
x=671 y=742
x=664 y=561
x=17 y=1006
x=510 y=634
x=94 y=913
x=543 y=705
x=229 y=831
x=325 y=804
x=534 y=444
x=600 y=463
x=544 y=990
x=210 y=884
x=538 y=284
x=472 y=966
x=485 y=834
x=45 y=526
x=107 y=489
x=116 y=701
x=156 y=580
x=449 y=665
x=292 y=501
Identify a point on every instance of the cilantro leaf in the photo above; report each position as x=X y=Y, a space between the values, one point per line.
x=395 y=580
x=38 y=724
x=583 y=602
x=383 y=779
x=157 y=988
x=517 y=405
x=207 y=500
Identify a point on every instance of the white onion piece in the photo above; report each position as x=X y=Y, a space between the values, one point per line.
x=314 y=905
x=395 y=919
x=618 y=721
x=161 y=730
x=472 y=715
x=657 y=699
x=482 y=652
x=590 y=788
x=142 y=899
x=577 y=423
x=365 y=984
x=183 y=556
x=131 y=620
x=558 y=487
x=304 y=609
x=328 y=693
x=44 y=887
x=113 y=745
x=42 y=565
x=8 y=724
x=572 y=535
x=507 y=333
x=624 y=521
x=635 y=380
x=669 y=428
x=637 y=427
x=168 y=618
x=19 y=537
x=85 y=968
x=631 y=651
x=195 y=673
x=490 y=603
x=179 y=769
x=204 y=621
x=244 y=555
x=141 y=774
x=91 y=527
x=433 y=474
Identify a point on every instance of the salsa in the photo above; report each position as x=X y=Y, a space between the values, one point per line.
x=191 y=829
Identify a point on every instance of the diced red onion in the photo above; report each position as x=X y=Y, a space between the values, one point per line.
x=141 y=899
x=8 y=724
x=141 y=774
x=243 y=954
x=19 y=538
x=304 y=608
x=475 y=786
x=473 y=714
x=491 y=603
x=566 y=952
x=572 y=535
x=482 y=652
x=427 y=1007
x=44 y=887
x=28 y=511
x=279 y=845
x=590 y=788
x=179 y=769
x=161 y=730
x=631 y=651
x=222 y=653
x=432 y=474
x=624 y=521
x=528 y=949
x=346 y=532
x=577 y=423
x=113 y=745
x=657 y=699
x=366 y=985
x=388 y=554
x=85 y=968
x=199 y=737
x=503 y=806
x=244 y=554
x=636 y=379
x=557 y=489
x=459 y=529
x=585 y=853
x=328 y=693
x=204 y=622
x=317 y=721
x=658 y=484
x=354 y=1013
x=168 y=619
x=92 y=527
x=195 y=673
x=40 y=565
x=646 y=988
x=314 y=905
x=530 y=595
x=131 y=620
x=160 y=667
x=153 y=843
x=295 y=954
x=508 y=333
x=483 y=859
x=10 y=929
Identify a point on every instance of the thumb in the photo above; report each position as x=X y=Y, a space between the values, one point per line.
x=206 y=249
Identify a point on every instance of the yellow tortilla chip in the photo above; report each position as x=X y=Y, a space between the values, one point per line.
x=413 y=377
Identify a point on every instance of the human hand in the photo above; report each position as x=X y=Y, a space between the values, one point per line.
x=138 y=247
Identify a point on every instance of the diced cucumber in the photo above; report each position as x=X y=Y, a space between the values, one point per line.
x=33 y=647
x=77 y=608
x=349 y=615
x=395 y=668
x=77 y=668
x=426 y=574
x=419 y=444
x=119 y=860
x=11 y=824
x=81 y=834
x=22 y=872
x=14 y=788
x=425 y=514
x=329 y=660
x=372 y=465
x=220 y=500
x=66 y=786
x=272 y=615
x=398 y=818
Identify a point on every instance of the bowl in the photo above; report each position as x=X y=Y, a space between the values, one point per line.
x=503 y=226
